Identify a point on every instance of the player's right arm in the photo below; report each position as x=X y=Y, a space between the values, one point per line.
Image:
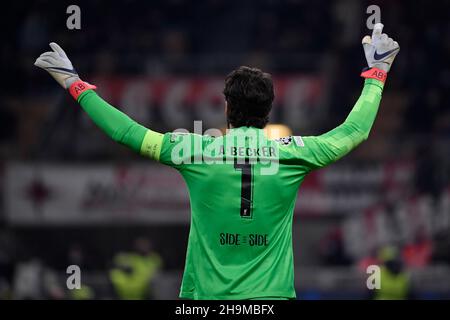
x=113 y=122
x=319 y=151
x=327 y=148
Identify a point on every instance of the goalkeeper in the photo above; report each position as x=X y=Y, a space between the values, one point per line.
x=240 y=240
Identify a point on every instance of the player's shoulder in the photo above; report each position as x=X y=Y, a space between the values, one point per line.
x=289 y=142
x=179 y=147
x=291 y=148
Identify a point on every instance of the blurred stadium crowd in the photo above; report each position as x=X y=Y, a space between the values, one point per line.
x=387 y=203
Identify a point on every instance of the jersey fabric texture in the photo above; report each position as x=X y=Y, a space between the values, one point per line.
x=242 y=188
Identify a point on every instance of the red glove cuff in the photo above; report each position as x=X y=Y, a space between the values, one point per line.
x=375 y=73
x=78 y=87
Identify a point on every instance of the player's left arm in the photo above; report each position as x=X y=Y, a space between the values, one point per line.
x=112 y=121
x=380 y=51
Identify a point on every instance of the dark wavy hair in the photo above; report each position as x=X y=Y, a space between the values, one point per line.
x=249 y=95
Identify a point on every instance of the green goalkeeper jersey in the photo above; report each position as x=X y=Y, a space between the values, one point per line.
x=242 y=188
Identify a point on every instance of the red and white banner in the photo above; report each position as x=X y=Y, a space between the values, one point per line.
x=173 y=103
x=55 y=194
x=153 y=193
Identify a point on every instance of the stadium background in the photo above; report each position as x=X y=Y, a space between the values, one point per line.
x=71 y=196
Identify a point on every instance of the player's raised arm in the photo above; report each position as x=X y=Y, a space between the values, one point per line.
x=380 y=51
x=113 y=122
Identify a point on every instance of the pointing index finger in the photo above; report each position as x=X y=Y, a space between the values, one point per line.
x=377 y=29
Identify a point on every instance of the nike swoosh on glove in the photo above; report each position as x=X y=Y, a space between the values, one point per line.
x=380 y=50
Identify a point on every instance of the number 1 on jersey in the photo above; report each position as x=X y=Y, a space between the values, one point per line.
x=246 y=187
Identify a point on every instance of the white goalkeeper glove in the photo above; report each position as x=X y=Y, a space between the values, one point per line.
x=380 y=50
x=58 y=65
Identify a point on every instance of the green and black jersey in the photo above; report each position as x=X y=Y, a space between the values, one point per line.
x=242 y=188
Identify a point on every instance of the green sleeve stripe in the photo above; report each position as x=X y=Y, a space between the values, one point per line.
x=151 y=145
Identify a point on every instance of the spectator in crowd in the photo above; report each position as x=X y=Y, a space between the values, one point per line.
x=76 y=257
x=33 y=280
x=418 y=253
x=134 y=271
x=332 y=249
x=395 y=281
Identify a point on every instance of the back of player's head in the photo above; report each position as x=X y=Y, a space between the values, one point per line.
x=249 y=95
